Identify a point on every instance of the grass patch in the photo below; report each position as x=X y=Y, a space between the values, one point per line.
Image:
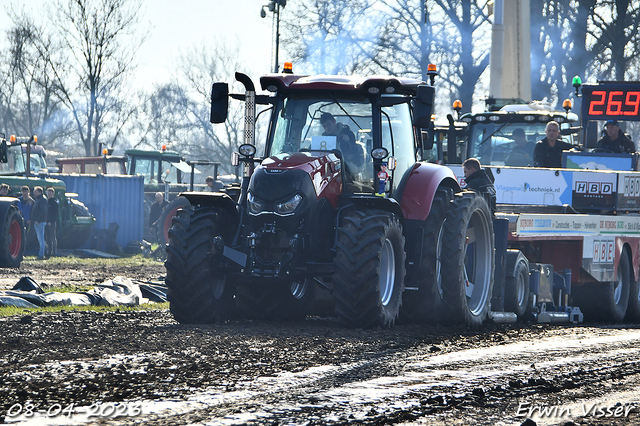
x=136 y=260
x=7 y=311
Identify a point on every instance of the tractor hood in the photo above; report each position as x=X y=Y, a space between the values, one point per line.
x=315 y=173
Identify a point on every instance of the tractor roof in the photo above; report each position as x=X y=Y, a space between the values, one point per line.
x=339 y=83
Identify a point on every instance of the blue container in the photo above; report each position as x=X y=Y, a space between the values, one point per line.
x=111 y=198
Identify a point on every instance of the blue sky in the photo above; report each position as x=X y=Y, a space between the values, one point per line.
x=175 y=26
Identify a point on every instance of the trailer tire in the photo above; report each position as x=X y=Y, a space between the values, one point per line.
x=516 y=290
x=199 y=291
x=369 y=269
x=425 y=304
x=13 y=239
x=277 y=302
x=468 y=260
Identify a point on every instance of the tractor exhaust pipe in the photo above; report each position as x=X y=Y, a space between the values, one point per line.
x=249 y=108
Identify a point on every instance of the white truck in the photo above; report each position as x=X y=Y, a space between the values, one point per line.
x=572 y=243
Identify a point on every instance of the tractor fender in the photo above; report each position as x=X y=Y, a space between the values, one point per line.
x=5 y=205
x=212 y=199
x=363 y=202
x=419 y=185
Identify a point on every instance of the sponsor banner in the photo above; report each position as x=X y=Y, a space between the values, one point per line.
x=576 y=224
x=594 y=190
x=598 y=257
x=526 y=186
x=629 y=191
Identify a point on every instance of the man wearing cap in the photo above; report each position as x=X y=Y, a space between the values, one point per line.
x=615 y=140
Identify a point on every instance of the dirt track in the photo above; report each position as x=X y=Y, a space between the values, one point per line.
x=313 y=372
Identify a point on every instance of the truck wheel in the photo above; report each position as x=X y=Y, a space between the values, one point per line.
x=633 y=311
x=167 y=214
x=425 y=304
x=516 y=291
x=467 y=260
x=607 y=301
x=13 y=239
x=277 y=302
x=198 y=288
x=369 y=269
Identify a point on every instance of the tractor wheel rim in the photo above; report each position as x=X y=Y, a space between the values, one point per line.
x=387 y=272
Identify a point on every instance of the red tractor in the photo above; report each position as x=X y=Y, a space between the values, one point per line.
x=315 y=216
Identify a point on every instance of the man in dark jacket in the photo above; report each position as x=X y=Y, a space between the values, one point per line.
x=52 y=220
x=156 y=210
x=615 y=140
x=477 y=180
x=548 y=151
x=39 y=218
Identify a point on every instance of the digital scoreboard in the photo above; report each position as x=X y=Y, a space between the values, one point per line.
x=611 y=101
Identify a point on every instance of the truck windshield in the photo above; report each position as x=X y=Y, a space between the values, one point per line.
x=509 y=144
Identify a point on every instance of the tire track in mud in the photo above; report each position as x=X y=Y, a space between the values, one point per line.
x=486 y=386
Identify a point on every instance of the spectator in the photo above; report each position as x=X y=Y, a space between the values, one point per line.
x=478 y=181
x=51 y=239
x=156 y=209
x=212 y=185
x=548 y=151
x=39 y=218
x=25 y=204
x=4 y=190
x=615 y=140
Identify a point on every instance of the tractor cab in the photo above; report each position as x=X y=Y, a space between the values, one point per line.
x=507 y=136
x=23 y=155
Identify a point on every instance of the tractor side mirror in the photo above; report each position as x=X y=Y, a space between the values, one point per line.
x=423 y=106
x=427 y=140
x=219 y=102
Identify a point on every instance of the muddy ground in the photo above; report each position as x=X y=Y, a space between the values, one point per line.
x=144 y=368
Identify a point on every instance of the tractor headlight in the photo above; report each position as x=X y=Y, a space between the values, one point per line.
x=247 y=150
x=255 y=205
x=290 y=205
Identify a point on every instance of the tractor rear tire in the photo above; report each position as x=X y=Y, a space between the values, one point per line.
x=517 y=290
x=369 y=269
x=607 y=302
x=165 y=219
x=276 y=302
x=425 y=304
x=13 y=239
x=468 y=260
x=199 y=291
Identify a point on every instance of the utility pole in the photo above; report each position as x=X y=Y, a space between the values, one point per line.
x=274 y=7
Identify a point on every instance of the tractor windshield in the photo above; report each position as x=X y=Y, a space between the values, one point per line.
x=17 y=159
x=344 y=126
x=507 y=143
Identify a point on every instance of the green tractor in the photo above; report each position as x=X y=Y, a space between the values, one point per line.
x=23 y=163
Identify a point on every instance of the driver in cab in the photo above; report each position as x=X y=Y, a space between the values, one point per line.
x=615 y=140
x=345 y=137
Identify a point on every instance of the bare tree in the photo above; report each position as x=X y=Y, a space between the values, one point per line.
x=177 y=114
x=102 y=37
x=29 y=96
x=411 y=34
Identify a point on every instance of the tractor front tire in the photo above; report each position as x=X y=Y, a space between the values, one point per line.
x=468 y=260
x=425 y=304
x=369 y=269
x=198 y=288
